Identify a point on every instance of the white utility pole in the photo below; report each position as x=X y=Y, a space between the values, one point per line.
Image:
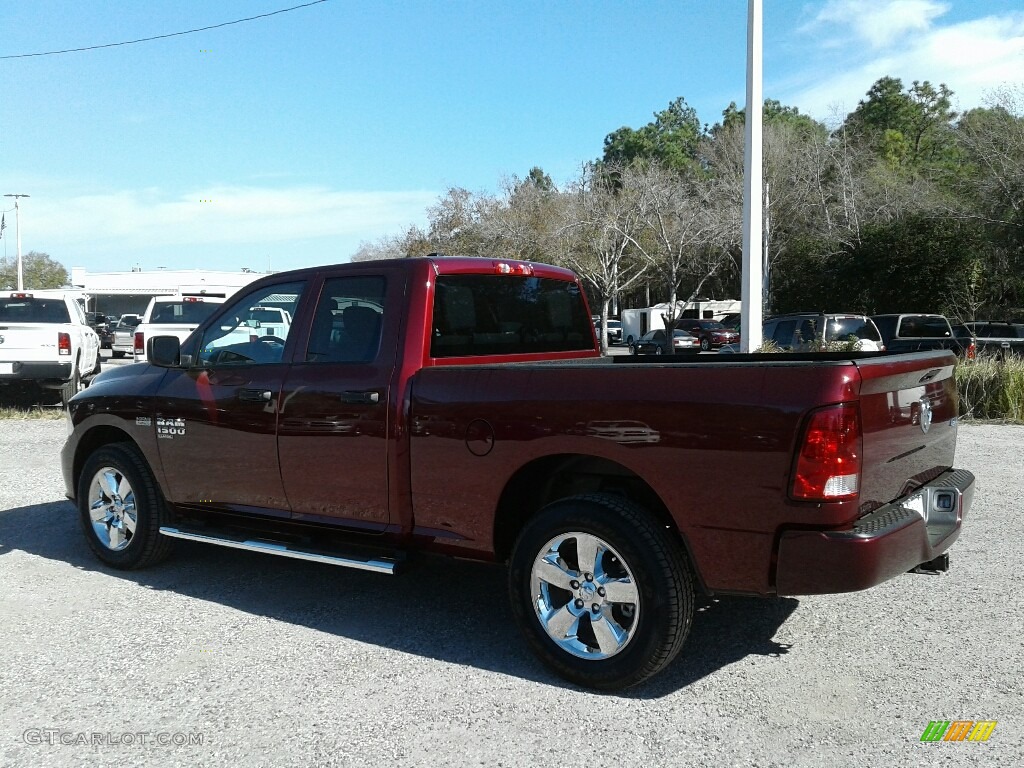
x=751 y=317
x=17 y=229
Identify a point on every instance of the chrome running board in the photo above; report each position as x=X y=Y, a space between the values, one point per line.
x=375 y=564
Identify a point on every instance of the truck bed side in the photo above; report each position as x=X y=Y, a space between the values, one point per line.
x=709 y=444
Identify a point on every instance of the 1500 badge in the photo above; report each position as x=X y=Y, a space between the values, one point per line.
x=169 y=428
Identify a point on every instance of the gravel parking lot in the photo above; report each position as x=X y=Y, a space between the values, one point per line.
x=227 y=658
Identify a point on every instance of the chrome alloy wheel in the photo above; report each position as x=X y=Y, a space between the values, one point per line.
x=585 y=596
x=112 y=508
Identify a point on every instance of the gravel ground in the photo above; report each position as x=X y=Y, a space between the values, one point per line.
x=276 y=662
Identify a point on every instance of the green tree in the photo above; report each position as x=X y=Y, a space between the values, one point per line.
x=775 y=113
x=38 y=269
x=671 y=138
x=990 y=186
x=911 y=129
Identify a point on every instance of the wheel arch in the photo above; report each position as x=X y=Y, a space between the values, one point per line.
x=550 y=478
x=96 y=438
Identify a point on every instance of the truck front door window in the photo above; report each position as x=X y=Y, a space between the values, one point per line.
x=252 y=330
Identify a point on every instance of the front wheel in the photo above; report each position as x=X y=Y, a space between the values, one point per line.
x=600 y=590
x=122 y=509
x=705 y=344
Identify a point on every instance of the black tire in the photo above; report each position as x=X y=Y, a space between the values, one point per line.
x=633 y=350
x=72 y=387
x=705 y=344
x=145 y=545
x=640 y=548
x=658 y=350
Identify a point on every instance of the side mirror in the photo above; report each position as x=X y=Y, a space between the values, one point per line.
x=164 y=351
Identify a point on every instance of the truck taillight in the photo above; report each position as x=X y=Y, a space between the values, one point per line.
x=140 y=343
x=64 y=343
x=828 y=463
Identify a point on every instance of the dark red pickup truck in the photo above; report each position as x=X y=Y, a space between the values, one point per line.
x=460 y=406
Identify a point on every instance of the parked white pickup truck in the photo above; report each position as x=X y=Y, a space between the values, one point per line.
x=176 y=315
x=46 y=343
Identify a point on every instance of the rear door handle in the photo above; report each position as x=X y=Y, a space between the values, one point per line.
x=355 y=397
x=255 y=395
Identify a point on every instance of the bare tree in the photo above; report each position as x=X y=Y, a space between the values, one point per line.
x=600 y=224
x=677 y=239
x=412 y=242
x=525 y=221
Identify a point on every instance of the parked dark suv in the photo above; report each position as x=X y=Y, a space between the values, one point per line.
x=916 y=332
x=1001 y=339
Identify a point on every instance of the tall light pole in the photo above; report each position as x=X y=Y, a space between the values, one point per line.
x=17 y=230
x=753 y=288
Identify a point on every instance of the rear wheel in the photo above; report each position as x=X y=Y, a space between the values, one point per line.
x=705 y=344
x=72 y=387
x=601 y=592
x=122 y=509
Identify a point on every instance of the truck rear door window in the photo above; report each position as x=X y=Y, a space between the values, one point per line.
x=503 y=315
x=347 y=321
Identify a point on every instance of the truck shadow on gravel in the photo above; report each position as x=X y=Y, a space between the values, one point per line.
x=450 y=610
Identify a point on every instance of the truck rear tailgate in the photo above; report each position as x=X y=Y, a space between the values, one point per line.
x=911 y=501
x=29 y=342
x=909 y=422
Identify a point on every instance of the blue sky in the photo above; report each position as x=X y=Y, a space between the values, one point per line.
x=288 y=140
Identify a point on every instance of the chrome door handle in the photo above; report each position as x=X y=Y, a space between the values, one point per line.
x=354 y=397
x=255 y=395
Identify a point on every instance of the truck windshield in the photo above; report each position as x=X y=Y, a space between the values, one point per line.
x=32 y=310
x=184 y=312
x=504 y=314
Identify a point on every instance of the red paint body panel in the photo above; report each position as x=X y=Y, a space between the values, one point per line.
x=430 y=460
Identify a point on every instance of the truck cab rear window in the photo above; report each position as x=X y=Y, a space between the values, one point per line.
x=478 y=315
x=32 y=310
x=185 y=312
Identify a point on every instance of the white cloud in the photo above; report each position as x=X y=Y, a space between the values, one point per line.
x=881 y=23
x=971 y=57
x=137 y=221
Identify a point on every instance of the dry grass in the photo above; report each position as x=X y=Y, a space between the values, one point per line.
x=34 y=412
x=991 y=388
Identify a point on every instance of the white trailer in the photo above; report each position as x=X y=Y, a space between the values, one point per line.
x=637 y=322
